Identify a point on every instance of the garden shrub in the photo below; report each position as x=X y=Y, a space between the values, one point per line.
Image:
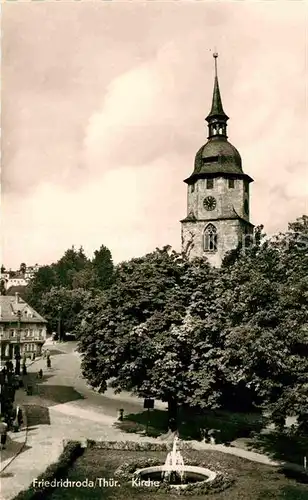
x=135 y=446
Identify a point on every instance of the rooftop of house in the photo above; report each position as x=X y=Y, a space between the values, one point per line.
x=14 y=309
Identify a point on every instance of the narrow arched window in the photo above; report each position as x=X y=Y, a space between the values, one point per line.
x=210 y=238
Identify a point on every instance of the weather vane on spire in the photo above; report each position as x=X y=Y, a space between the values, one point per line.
x=215 y=55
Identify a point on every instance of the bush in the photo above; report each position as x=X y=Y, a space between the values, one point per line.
x=71 y=452
x=135 y=446
x=130 y=426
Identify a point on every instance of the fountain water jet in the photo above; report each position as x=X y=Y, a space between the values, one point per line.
x=174 y=465
x=175 y=472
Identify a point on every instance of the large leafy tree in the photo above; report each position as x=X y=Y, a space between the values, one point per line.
x=73 y=271
x=103 y=267
x=72 y=262
x=265 y=296
x=61 y=307
x=44 y=280
x=135 y=334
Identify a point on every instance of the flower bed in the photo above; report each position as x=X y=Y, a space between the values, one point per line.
x=221 y=482
x=136 y=446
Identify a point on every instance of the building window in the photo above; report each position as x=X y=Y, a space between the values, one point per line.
x=210 y=238
x=192 y=188
x=231 y=183
x=246 y=186
x=209 y=183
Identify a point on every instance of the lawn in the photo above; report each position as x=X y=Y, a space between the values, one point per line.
x=227 y=426
x=253 y=481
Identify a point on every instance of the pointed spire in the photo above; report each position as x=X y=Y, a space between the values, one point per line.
x=217 y=109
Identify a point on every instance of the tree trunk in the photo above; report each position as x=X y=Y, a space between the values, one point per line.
x=172 y=414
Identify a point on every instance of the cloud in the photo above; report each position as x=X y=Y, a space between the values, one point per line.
x=103 y=112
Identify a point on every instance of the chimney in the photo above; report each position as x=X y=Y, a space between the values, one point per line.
x=16 y=297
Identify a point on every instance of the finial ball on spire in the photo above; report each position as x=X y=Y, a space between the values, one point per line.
x=215 y=55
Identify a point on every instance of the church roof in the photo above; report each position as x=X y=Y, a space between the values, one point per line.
x=217 y=109
x=217 y=157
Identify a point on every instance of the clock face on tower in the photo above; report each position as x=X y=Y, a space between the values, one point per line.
x=209 y=203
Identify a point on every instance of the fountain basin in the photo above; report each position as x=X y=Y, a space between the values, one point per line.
x=192 y=475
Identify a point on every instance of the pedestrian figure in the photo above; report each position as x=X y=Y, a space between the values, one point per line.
x=24 y=369
x=3 y=433
x=19 y=417
x=15 y=425
x=9 y=366
x=211 y=434
x=48 y=362
x=40 y=373
x=204 y=434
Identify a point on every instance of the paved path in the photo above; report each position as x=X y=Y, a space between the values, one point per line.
x=66 y=409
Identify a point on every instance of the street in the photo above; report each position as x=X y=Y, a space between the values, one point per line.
x=62 y=407
x=65 y=384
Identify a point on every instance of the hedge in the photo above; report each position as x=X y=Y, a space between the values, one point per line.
x=58 y=470
x=136 y=446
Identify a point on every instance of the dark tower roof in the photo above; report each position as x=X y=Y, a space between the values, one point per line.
x=217 y=156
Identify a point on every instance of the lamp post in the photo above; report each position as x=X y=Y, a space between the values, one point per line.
x=17 y=352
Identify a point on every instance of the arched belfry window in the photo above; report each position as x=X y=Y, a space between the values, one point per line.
x=210 y=238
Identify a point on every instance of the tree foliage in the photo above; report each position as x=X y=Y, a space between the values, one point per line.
x=69 y=279
x=64 y=305
x=131 y=334
x=185 y=333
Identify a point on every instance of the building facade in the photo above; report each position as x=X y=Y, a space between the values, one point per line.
x=22 y=329
x=217 y=218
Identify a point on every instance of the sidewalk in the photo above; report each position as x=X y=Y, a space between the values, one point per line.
x=42 y=443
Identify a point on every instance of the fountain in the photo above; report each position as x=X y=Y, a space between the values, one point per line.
x=174 y=472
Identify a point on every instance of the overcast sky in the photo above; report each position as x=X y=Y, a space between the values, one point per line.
x=103 y=108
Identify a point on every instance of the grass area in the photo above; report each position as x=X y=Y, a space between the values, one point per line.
x=285 y=446
x=253 y=481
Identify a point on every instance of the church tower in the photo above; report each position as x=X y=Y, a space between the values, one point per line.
x=217 y=193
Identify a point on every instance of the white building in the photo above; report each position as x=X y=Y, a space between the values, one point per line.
x=21 y=328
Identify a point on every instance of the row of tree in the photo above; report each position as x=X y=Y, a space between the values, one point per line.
x=186 y=333
x=60 y=290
